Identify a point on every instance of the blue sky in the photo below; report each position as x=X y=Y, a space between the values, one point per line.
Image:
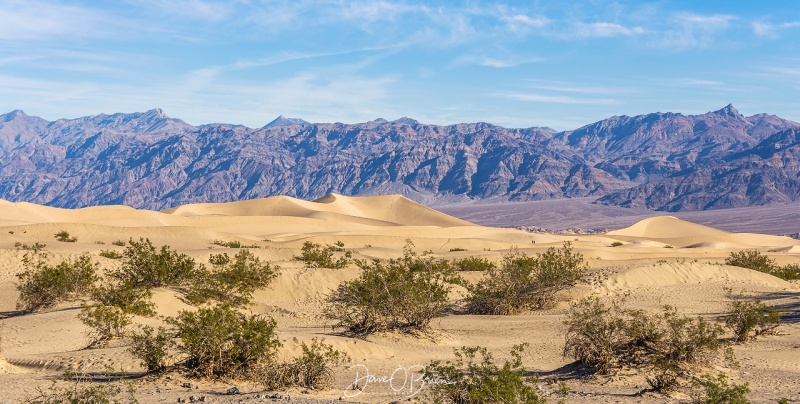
x=517 y=64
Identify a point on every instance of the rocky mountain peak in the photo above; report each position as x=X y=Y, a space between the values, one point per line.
x=284 y=121
x=728 y=111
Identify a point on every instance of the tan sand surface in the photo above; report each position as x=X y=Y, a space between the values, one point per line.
x=690 y=275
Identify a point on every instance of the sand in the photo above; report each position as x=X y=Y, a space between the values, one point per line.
x=690 y=275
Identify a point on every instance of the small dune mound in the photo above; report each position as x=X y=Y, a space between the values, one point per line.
x=663 y=275
x=667 y=227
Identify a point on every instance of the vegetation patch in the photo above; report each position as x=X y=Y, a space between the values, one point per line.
x=526 y=283
x=474 y=264
x=753 y=259
x=748 y=318
x=404 y=293
x=234 y=244
x=231 y=280
x=145 y=266
x=317 y=256
x=42 y=286
x=474 y=377
x=64 y=236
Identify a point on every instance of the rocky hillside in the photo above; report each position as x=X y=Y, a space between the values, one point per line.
x=149 y=160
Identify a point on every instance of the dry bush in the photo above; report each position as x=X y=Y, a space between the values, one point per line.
x=717 y=390
x=470 y=379
x=145 y=266
x=152 y=347
x=404 y=293
x=526 y=283
x=607 y=337
x=107 y=322
x=316 y=256
x=231 y=280
x=746 y=315
x=220 y=341
x=42 y=286
x=64 y=236
x=313 y=369
x=474 y=264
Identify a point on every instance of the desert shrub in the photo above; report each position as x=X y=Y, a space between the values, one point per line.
x=526 y=283
x=145 y=266
x=234 y=244
x=152 y=347
x=664 y=376
x=470 y=379
x=596 y=334
x=42 y=286
x=607 y=337
x=616 y=244
x=474 y=264
x=717 y=390
x=220 y=341
x=750 y=315
x=787 y=272
x=36 y=247
x=316 y=256
x=403 y=293
x=231 y=280
x=118 y=243
x=80 y=391
x=313 y=369
x=751 y=259
x=64 y=236
x=111 y=254
x=458 y=249
x=129 y=299
x=106 y=322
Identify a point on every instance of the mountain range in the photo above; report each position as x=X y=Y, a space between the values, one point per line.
x=661 y=161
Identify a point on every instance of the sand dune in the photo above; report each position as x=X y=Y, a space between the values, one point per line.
x=38 y=347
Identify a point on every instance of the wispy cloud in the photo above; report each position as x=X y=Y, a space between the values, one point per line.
x=33 y=19
x=693 y=30
x=769 y=30
x=605 y=30
x=556 y=99
x=698 y=82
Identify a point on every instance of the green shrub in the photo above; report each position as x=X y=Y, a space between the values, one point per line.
x=717 y=390
x=470 y=379
x=129 y=299
x=313 y=369
x=107 y=322
x=119 y=243
x=231 y=281
x=607 y=337
x=474 y=264
x=458 y=249
x=786 y=272
x=219 y=341
x=81 y=390
x=404 y=293
x=42 y=286
x=234 y=244
x=152 y=347
x=316 y=256
x=144 y=266
x=616 y=244
x=750 y=315
x=111 y=254
x=526 y=283
x=751 y=259
x=36 y=247
x=63 y=236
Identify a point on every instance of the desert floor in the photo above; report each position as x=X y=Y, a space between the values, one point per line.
x=38 y=348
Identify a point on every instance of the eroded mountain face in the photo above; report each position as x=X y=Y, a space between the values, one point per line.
x=149 y=160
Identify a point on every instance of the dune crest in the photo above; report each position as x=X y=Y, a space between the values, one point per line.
x=667 y=227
